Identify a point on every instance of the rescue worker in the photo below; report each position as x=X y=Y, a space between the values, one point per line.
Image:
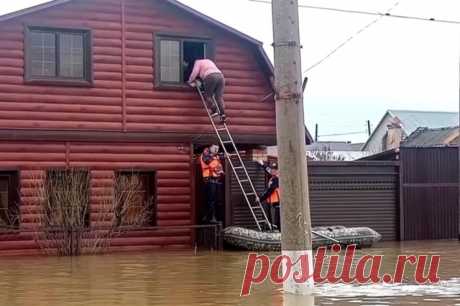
x=271 y=195
x=214 y=85
x=212 y=170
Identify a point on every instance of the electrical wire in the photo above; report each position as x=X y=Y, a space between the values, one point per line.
x=457 y=22
x=343 y=134
x=349 y=39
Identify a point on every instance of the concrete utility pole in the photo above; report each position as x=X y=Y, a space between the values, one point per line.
x=295 y=207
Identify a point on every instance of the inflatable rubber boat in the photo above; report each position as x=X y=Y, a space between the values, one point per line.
x=252 y=240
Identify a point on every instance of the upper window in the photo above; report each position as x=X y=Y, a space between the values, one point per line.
x=175 y=57
x=61 y=55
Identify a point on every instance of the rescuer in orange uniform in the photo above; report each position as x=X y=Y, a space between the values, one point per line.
x=212 y=170
x=271 y=195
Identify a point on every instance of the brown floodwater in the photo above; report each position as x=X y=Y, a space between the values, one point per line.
x=207 y=278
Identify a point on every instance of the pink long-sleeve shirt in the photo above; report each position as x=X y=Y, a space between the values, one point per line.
x=203 y=68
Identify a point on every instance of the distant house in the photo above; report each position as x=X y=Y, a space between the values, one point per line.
x=397 y=125
x=272 y=151
x=426 y=137
x=335 y=151
x=328 y=151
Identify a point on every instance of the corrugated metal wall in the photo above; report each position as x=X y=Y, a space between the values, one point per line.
x=240 y=214
x=341 y=193
x=356 y=194
x=430 y=186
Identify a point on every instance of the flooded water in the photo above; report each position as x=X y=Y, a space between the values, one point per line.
x=208 y=278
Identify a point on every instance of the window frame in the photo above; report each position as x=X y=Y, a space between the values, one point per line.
x=87 y=79
x=153 y=194
x=158 y=37
x=14 y=197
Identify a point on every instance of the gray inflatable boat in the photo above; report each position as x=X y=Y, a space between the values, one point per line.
x=252 y=240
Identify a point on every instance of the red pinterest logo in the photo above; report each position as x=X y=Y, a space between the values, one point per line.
x=333 y=275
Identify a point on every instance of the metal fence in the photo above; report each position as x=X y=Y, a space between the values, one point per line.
x=429 y=193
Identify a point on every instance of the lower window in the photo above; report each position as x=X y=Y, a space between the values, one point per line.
x=135 y=193
x=66 y=199
x=9 y=199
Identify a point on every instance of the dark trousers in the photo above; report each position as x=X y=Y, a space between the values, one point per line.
x=211 y=189
x=273 y=214
x=214 y=85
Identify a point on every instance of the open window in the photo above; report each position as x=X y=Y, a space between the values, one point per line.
x=175 y=57
x=135 y=193
x=9 y=200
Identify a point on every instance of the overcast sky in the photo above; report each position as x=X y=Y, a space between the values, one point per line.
x=395 y=64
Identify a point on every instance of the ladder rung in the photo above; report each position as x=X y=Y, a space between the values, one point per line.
x=214 y=115
x=232 y=154
x=220 y=130
x=250 y=194
x=227 y=141
x=244 y=181
x=238 y=168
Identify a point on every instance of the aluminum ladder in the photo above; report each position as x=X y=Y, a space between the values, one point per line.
x=236 y=163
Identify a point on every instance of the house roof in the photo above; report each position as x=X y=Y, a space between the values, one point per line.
x=426 y=137
x=410 y=120
x=389 y=155
x=308 y=138
x=258 y=44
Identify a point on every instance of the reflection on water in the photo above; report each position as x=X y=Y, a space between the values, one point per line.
x=205 y=279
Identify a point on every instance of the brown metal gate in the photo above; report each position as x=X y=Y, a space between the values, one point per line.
x=341 y=193
x=356 y=194
x=429 y=193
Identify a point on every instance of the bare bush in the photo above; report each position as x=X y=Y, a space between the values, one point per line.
x=65 y=221
x=126 y=210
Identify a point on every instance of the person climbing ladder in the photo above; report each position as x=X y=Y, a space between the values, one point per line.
x=214 y=88
x=214 y=85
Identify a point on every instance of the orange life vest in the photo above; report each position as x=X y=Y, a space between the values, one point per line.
x=206 y=170
x=274 y=197
x=213 y=169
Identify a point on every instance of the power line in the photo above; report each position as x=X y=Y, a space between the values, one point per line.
x=343 y=44
x=343 y=134
x=457 y=22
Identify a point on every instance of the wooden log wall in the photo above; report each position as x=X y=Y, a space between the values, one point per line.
x=124 y=97
x=171 y=163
